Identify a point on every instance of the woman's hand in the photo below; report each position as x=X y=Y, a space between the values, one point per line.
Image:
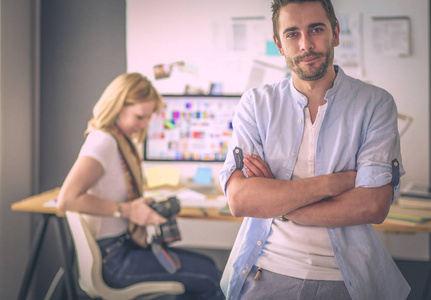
x=256 y=167
x=139 y=212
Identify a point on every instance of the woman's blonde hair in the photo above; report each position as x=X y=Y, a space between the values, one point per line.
x=126 y=89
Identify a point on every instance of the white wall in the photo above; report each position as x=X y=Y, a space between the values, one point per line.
x=16 y=139
x=199 y=33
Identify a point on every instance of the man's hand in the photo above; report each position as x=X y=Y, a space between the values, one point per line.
x=256 y=167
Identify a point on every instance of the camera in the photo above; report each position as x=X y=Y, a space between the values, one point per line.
x=168 y=232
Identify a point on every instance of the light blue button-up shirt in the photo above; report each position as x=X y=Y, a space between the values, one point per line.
x=359 y=132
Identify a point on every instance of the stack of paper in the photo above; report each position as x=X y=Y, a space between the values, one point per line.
x=414 y=202
x=406 y=216
x=416 y=196
x=405 y=219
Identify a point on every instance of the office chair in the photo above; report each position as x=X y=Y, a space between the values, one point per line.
x=89 y=259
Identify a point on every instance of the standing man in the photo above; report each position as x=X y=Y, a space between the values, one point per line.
x=322 y=163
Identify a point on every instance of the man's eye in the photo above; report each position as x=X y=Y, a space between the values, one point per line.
x=316 y=30
x=291 y=35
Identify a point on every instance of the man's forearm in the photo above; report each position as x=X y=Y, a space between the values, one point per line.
x=266 y=198
x=354 y=207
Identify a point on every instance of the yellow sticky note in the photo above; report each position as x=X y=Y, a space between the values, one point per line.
x=162 y=175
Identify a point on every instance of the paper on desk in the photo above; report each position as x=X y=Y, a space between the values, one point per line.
x=158 y=195
x=51 y=203
x=162 y=175
x=190 y=198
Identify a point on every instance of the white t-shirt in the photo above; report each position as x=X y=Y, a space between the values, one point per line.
x=296 y=250
x=102 y=147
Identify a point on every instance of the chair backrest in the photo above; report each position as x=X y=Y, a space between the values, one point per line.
x=89 y=260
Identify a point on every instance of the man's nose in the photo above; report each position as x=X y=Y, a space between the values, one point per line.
x=306 y=43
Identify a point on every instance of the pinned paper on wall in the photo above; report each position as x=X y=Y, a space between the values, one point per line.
x=391 y=36
x=162 y=175
x=203 y=175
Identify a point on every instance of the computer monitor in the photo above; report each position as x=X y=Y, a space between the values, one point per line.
x=191 y=128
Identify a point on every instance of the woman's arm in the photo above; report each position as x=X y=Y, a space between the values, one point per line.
x=73 y=196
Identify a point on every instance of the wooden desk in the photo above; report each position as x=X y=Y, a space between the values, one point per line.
x=36 y=204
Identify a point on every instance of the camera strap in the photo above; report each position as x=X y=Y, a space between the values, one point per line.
x=168 y=259
x=131 y=165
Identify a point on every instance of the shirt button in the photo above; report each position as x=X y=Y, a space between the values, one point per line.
x=259 y=243
x=244 y=272
x=304 y=98
x=299 y=121
x=293 y=154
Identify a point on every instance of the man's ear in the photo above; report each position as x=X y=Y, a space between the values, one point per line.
x=337 y=35
x=278 y=44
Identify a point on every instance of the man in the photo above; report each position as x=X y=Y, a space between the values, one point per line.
x=321 y=163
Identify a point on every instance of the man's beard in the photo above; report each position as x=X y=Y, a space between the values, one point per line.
x=314 y=73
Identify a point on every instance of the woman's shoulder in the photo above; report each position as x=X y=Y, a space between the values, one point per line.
x=99 y=143
x=101 y=137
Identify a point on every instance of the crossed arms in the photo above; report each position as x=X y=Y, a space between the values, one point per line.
x=328 y=200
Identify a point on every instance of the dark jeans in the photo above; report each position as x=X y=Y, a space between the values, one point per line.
x=125 y=263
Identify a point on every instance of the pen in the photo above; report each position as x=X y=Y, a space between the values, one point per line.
x=203 y=211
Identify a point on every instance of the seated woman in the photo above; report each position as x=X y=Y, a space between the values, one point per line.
x=105 y=184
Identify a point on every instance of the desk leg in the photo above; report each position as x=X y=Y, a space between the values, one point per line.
x=34 y=253
x=65 y=259
x=427 y=290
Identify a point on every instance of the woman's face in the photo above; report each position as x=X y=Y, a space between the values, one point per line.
x=134 y=118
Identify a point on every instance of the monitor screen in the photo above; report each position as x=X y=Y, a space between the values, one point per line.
x=191 y=128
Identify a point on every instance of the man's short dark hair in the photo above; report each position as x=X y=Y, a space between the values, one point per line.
x=277 y=4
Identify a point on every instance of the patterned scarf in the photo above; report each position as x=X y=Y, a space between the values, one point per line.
x=131 y=164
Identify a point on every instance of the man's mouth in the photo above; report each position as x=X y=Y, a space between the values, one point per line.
x=308 y=58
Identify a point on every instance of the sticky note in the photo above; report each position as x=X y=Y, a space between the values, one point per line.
x=162 y=175
x=271 y=49
x=203 y=175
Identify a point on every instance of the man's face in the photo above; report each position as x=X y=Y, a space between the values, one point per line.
x=306 y=39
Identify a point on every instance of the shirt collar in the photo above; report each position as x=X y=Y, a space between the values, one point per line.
x=302 y=101
x=330 y=94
